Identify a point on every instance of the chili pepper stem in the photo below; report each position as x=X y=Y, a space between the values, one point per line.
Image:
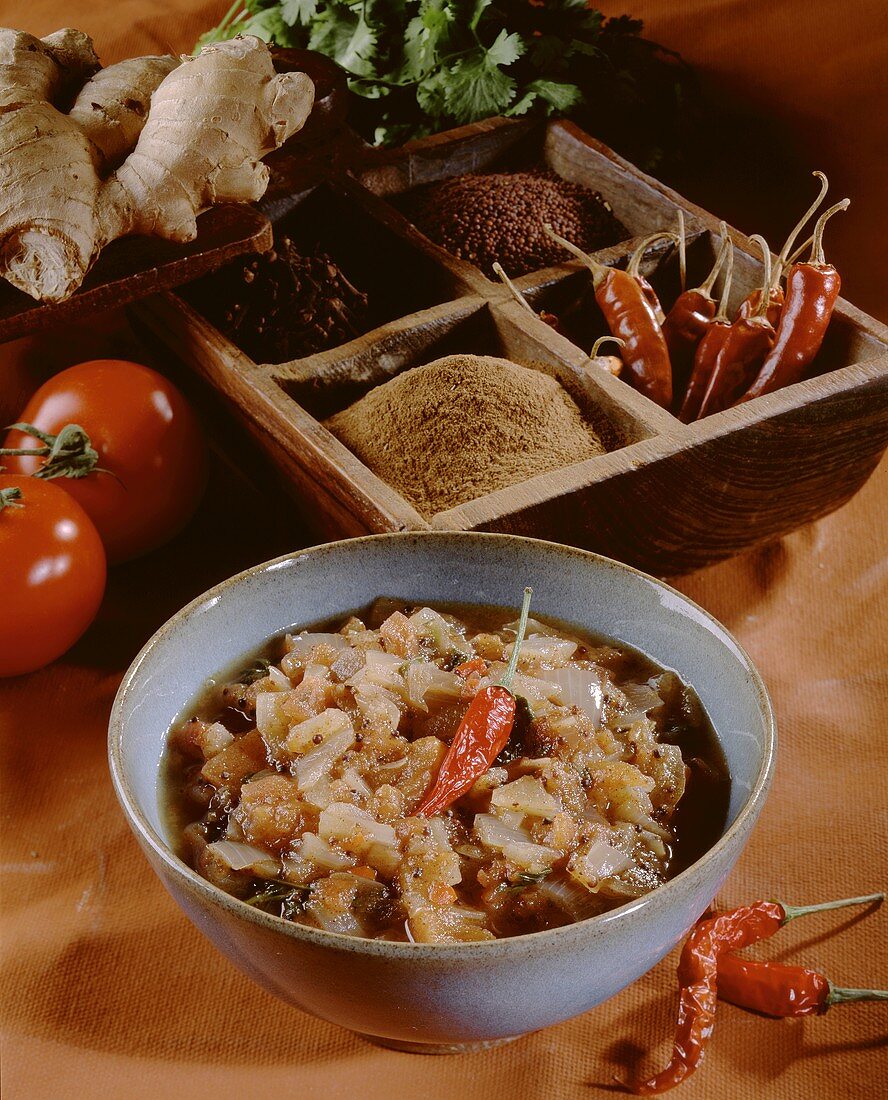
x=638 y=255
x=512 y=668
x=809 y=213
x=793 y=911
x=599 y=271
x=766 y=287
x=790 y=260
x=722 y=314
x=817 y=256
x=839 y=996
x=706 y=286
x=603 y=340
x=513 y=290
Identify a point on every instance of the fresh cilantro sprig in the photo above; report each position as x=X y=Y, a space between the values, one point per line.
x=420 y=66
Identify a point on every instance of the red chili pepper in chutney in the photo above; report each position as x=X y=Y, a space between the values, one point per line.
x=783 y=991
x=811 y=292
x=689 y=320
x=739 y=358
x=481 y=736
x=709 y=942
x=630 y=316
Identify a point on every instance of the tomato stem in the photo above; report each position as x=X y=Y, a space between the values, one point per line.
x=68 y=454
x=11 y=498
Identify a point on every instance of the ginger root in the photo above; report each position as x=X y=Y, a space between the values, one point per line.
x=112 y=106
x=210 y=120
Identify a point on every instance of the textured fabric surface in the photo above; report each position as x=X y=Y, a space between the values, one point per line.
x=108 y=991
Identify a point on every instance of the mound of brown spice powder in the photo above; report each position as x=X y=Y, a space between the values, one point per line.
x=452 y=430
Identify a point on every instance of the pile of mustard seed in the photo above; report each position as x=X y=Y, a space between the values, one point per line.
x=500 y=217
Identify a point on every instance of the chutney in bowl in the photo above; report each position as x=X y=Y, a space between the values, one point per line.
x=456 y=993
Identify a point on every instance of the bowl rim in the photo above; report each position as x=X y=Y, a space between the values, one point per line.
x=660 y=896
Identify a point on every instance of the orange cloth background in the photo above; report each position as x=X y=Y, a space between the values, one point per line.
x=109 y=992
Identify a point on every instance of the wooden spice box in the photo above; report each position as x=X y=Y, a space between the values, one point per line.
x=667 y=497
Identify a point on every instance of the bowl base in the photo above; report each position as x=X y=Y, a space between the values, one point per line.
x=436 y=1048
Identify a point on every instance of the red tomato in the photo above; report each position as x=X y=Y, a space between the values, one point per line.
x=146 y=436
x=53 y=573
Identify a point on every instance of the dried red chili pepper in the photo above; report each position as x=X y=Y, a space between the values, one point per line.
x=751 y=304
x=782 y=991
x=811 y=292
x=630 y=316
x=741 y=355
x=709 y=347
x=481 y=736
x=709 y=942
x=688 y=322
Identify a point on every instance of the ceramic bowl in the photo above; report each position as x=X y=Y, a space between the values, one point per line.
x=426 y=996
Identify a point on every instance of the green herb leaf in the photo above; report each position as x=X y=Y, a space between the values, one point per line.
x=256 y=671
x=560 y=96
x=298 y=12
x=524 y=879
x=285 y=899
x=347 y=37
x=476 y=86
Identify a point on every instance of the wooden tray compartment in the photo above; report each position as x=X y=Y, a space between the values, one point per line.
x=562 y=148
x=375 y=254
x=668 y=497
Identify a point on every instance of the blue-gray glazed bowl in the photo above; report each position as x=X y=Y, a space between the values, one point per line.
x=442 y=997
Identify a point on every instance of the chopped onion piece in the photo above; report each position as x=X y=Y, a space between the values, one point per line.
x=313 y=848
x=580 y=687
x=356 y=783
x=534 y=626
x=599 y=862
x=239 y=856
x=495 y=833
x=270 y=718
x=531 y=857
x=527 y=795
x=540 y=648
x=348 y=664
x=317 y=729
x=392 y=765
x=568 y=895
x=280 y=680
x=428 y=684
x=343 y=821
x=436 y=629
x=346 y=924
x=301 y=645
x=319 y=794
x=378 y=707
x=308 y=769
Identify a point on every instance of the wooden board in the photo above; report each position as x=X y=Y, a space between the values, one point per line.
x=667 y=497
